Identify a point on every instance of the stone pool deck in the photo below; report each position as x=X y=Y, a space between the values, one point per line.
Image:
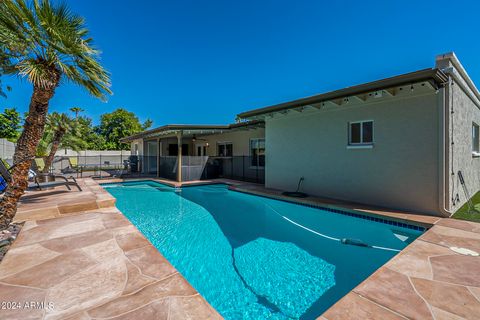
x=94 y=264
x=61 y=201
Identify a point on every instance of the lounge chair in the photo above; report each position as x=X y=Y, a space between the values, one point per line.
x=5 y=173
x=39 y=164
x=72 y=165
x=73 y=162
x=37 y=167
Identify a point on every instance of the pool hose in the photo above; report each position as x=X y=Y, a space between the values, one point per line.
x=347 y=241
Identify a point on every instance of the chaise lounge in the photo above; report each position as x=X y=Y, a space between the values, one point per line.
x=5 y=173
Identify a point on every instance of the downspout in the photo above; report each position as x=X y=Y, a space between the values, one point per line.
x=444 y=189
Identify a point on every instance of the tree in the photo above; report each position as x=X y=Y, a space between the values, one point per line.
x=93 y=140
x=76 y=110
x=119 y=124
x=60 y=131
x=10 y=125
x=44 y=43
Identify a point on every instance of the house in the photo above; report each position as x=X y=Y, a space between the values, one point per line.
x=193 y=152
x=406 y=142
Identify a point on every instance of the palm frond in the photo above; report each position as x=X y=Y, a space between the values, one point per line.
x=45 y=43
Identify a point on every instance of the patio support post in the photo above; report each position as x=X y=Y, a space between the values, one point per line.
x=159 y=152
x=179 y=157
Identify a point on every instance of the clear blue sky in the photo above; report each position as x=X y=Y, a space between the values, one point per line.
x=206 y=61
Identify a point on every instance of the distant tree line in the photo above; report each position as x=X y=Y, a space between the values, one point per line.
x=76 y=131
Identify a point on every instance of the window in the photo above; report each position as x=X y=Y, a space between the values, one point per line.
x=475 y=138
x=257 y=152
x=225 y=149
x=360 y=133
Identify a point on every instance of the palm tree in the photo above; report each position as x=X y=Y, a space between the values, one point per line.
x=46 y=44
x=76 y=110
x=60 y=130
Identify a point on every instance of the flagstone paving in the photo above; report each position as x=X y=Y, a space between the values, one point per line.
x=50 y=203
x=92 y=266
x=427 y=280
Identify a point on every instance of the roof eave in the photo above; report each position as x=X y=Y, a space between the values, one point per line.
x=422 y=75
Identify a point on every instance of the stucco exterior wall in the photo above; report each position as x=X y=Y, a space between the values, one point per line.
x=465 y=113
x=240 y=140
x=463 y=102
x=400 y=171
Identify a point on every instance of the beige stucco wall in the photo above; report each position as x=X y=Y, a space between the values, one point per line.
x=240 y=140
x=400 y=171
x=465 y=112
x=463 y=103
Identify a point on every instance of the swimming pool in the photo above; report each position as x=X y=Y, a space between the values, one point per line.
x=253 y=257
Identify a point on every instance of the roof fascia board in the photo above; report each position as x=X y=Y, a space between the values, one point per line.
x=423 y=75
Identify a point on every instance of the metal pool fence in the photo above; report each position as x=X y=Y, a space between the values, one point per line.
x=245 y=168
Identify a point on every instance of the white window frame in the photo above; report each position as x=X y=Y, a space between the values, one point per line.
x=361 y=144
x=475 y=148
x=219 y=143
x=251 y=155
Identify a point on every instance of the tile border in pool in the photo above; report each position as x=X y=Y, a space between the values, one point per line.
x=339 y=211
x=316 y=206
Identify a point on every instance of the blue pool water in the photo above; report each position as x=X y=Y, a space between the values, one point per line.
x=258 y=258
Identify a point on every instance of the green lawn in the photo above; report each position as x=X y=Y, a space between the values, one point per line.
x=463 y=213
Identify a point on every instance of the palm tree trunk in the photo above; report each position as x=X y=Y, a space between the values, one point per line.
x=57 y=138
x=25 y=152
